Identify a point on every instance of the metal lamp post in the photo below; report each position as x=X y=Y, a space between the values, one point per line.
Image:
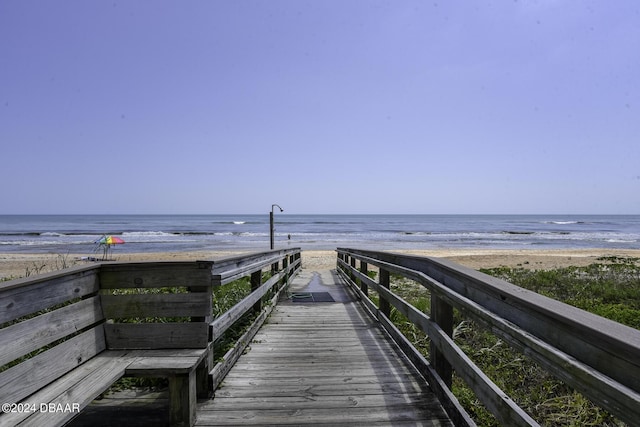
x=271 y=222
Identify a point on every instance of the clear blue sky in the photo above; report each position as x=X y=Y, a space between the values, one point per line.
x=332 y=106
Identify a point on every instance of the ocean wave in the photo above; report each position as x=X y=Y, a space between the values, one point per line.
x=413 y=233
x=146 y=233
x=52 y=234
x=327 y=222
x=238 y=222
x=563 y=222
x=35 y=243
x=238 y=233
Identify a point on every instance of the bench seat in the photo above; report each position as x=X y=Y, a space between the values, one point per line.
x=76 y=389
x=164 y=362
x=61 y=400
x=187 y=372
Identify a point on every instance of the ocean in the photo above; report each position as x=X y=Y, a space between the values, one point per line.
x=77 y=234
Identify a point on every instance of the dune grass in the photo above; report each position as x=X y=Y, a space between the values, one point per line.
x=609 y=288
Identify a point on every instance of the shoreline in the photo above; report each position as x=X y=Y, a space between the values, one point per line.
x=16 y=265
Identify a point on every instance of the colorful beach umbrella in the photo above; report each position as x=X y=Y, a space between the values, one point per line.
x=105 y=242
x=109 y=240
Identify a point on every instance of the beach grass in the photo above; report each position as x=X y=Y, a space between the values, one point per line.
x=609 y=288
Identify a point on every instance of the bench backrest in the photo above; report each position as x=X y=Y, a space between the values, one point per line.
x=55 y=322
x=156 y=305
x=48 y=326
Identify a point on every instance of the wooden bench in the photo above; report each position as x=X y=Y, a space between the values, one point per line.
x=68 y=336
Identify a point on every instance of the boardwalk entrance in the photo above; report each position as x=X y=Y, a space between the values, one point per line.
x=322 y=363
x=319 y=359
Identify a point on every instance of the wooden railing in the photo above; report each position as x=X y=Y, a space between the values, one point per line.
x=282 y=265
x=163 y=307
x=597 y=357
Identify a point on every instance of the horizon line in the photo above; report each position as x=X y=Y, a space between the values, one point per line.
x=324 y=213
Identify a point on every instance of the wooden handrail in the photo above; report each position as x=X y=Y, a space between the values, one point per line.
x=230 y=269
x=198 y=276
x=283 y=264
x=226 y=320
x=227 y=270
x=598 y=357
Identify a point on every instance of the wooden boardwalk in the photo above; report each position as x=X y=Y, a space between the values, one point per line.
x=322 y=363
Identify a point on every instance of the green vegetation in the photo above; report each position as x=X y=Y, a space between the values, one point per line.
x=224 y=298
x=610 y=288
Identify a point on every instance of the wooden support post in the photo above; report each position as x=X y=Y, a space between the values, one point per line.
x=182 y=396
x=385 y=307
x=352 y=262
x=285 y=265
x=256 y=281
x=205 y=290
x=292 y=260
x=209 y=363
x=203 y=389
x=363 y=286
x=442 y=314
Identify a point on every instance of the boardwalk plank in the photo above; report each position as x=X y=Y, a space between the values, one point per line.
x=310 y=391
x=326 y=416
x=298 y=402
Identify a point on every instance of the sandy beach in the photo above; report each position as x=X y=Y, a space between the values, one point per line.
x=13 y=265
x=477 y=259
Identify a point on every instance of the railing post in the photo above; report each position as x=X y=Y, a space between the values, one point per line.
x=442 y=314
x=363 y=286
x=385 y=307
x=285 y=265
x=256 y=281
x=352 y=263
x=292 y=260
